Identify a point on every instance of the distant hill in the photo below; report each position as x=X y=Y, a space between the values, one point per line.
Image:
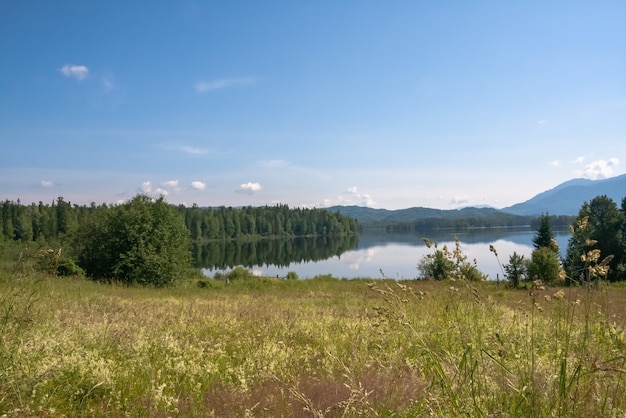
x=563 y=200
x=568 y=197
x=367 y=215
x=384 y=217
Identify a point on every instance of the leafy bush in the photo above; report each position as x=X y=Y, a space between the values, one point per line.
x=445 y=264
x=141 y=242
x=545 y=265
x=55 y=262
x=292 y=275
x=240 y=273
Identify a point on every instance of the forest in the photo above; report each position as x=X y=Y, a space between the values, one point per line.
x=61 y=218
x=493 y=220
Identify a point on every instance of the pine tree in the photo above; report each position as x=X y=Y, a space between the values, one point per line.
x=544 y=236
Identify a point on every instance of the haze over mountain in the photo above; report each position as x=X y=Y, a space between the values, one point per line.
x=564 y=199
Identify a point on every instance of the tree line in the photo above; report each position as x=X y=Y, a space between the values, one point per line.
x=595 y=251
x=49 y=222
x=494 y=220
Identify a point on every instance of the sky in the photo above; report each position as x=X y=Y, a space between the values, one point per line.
x=387 y=104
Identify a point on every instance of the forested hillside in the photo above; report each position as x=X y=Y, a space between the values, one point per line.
x=425 y=219
x=61 y=218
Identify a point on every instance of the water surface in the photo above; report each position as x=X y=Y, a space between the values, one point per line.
x=379 y=254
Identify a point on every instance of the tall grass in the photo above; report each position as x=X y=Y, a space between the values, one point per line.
x=320 y=347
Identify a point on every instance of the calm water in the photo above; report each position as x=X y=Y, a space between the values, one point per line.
x=396 y=255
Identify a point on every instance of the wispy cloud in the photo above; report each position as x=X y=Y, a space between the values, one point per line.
x=108 y=83
x=351 y=196
x=278 y=164
x=198 y=185
x=78 y=72
x=555 y=163
x=46 y=184
x=460 y=200
x=600 y=169
x=193 y=150
x=249 y=188
x=206 y=86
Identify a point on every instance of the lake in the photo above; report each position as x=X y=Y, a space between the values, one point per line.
x=395 y=255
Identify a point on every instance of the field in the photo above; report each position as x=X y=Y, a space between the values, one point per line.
x=309 y=348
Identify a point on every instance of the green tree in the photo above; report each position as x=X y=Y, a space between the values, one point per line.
x=545 y=265
x=599 y=226
x=516 y=270
x=141 y=242
x=544 y=236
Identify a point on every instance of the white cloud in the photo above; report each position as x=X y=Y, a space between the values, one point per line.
x=600 y=169
x=146 y=187
x=206 y=86
x=579 y=160
x=164 y=189
x=170 y=184
x=249 y=188
x=555 y=163
x=198 y=185
x=79 y=72
x=366 y=200
x=46 y=183
x=350 y=197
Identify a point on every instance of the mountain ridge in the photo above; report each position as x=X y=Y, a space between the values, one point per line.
x=564 y=199
x=567 y=198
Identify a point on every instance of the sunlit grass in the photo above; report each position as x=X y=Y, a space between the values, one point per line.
x=320 y=347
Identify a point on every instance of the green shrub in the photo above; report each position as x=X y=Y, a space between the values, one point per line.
x=55 y=262
x=444 y=264
x=141 y=242
x=545 y=265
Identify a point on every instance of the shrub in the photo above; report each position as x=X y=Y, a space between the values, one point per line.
x=56 y=263
x=141 y=242
x=238 y=273
x=445 y=264
x=292 y=275
x=545 y=265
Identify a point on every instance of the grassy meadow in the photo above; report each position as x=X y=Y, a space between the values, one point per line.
x=309 y=348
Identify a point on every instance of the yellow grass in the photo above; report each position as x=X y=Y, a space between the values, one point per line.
x=321 y=347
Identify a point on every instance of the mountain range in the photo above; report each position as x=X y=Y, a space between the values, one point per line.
x=568 y=197
x=565 y=199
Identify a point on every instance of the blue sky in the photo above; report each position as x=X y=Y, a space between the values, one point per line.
x=389 y=104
